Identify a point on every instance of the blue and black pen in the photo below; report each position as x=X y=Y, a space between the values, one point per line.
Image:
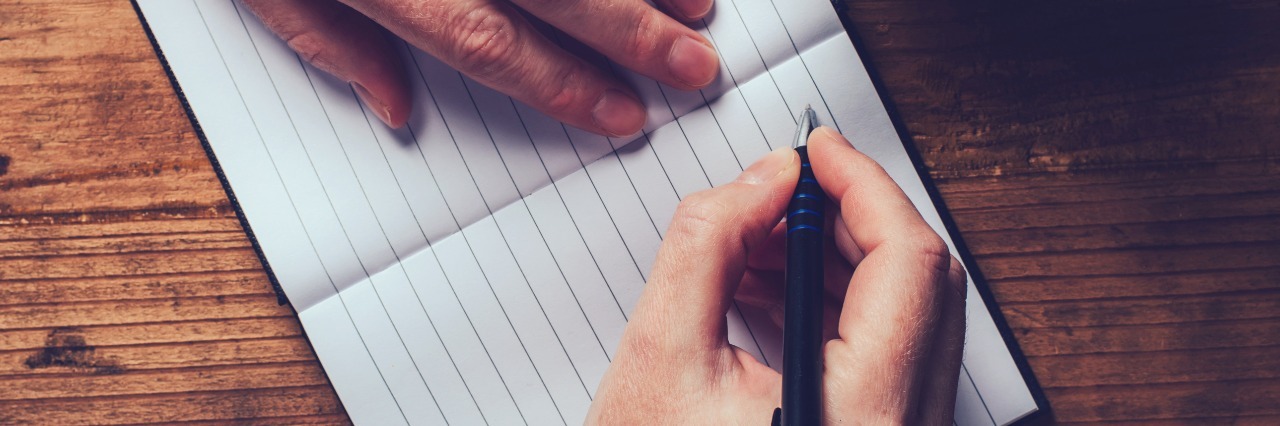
x=802 y=324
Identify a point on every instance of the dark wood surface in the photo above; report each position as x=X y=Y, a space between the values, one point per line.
x=1114 y=167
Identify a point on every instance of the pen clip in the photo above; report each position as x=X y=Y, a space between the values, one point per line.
x=777 y=417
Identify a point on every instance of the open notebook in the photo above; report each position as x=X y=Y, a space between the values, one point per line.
x=479 y=265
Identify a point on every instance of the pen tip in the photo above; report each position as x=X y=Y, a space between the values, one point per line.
x=806 y=122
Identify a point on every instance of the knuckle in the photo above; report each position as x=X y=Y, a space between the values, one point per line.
x=308 y=44
x=566 y=91
x=485 y=42
x=957 y=278
x=431 y=16
x=931 y=247
x=957 y=267
x=308 y=37
x=934 y=253
x=700 y=213
x=643 y=40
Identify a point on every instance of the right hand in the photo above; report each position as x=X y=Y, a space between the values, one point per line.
x=493 y=42
x=894 y=327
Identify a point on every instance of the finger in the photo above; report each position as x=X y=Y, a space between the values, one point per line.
x=704 y=255
x=686 y=10
x=838 y=267
x=764 y=283
x=844 y=242
x=634 y=34
x=904 y=259
x=494 y=44
x=769 y=262
x=873 y=209
x=772 y=254
x=892 y=303
x=836 y=274
x=764 y=290
x=937 y=401
x=344 y=43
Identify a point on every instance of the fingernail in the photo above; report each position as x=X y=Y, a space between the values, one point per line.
x=828 y=133
x=618 y=113
x=694 y=9
x=692 y=62
x=770 y=166
x=379 y=109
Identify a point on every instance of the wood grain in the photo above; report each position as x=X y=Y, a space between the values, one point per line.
x=1114 y=167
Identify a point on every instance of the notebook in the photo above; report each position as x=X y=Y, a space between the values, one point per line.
x=478 y=266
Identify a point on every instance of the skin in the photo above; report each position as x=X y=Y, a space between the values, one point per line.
x=496 y=43
x=895 y=324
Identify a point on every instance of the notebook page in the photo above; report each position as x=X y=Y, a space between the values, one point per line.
x=548 y=269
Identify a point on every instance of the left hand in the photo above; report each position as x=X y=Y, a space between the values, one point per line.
x=497 y=43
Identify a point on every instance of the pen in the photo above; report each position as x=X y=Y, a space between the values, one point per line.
x=802 y=323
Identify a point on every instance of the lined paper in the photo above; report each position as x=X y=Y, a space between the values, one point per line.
x=479 y=265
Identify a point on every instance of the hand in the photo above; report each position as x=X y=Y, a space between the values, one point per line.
x=494 y=43
x=895 y=325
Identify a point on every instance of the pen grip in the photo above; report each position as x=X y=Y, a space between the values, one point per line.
x=802 y=328
x=806 y=210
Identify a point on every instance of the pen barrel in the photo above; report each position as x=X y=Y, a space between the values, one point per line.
x=802 y=328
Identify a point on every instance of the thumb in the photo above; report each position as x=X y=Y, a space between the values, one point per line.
x=704 y=255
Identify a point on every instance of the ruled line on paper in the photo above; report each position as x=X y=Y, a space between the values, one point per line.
x=277 y=171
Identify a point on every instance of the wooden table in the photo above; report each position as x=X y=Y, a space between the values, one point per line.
x=1114 y=166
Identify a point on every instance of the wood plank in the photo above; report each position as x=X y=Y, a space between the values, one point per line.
x=35 y=231
x=175 y=407
x=158 y=332
x=324 y=419
x=1189 y=401
x=52 y=247
x=1132 y=182
x=140 y=311
x=129 y=287
x=1137 y=284
x=1058 y=239
x=137 y=263
x=1175 y=337
x=102 y=195
x=146 y=382
x=1263 y=420
x=1157 y=210
x=72 y=355
x=1095 y=263
x=1144 y=311
x=1148 y=368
